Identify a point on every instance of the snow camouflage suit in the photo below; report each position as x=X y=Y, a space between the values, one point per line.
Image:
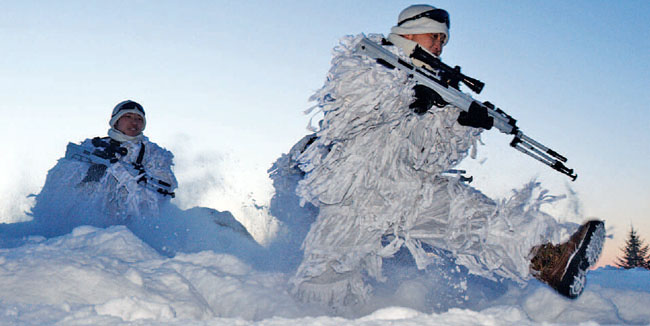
x=375 y=169
x=67 y=198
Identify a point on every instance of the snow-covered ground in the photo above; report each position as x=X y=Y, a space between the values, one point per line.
x=96 y=276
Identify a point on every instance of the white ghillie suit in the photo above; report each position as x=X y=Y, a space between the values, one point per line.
x=67 y=200
x=375 y=170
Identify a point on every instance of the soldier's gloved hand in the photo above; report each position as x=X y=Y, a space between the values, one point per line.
x=425 y=98
x=477 y=117
x=95 y=173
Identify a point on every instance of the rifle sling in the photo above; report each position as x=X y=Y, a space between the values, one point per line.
x=138 y=161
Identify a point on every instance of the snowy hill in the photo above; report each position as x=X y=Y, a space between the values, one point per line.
x=96 y=276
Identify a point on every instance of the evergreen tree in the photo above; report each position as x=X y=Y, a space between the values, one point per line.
x=635 y=252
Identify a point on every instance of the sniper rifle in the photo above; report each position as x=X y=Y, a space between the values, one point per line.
x=84 y=154
x=444 y=80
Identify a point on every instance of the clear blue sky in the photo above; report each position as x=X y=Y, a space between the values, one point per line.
x=224 y=84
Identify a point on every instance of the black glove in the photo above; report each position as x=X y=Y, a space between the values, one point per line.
x=107 y=149
x=425 y=98
x=95 y=173
x=476 y=117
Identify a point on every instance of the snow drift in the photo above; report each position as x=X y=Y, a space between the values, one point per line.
x=111 y=277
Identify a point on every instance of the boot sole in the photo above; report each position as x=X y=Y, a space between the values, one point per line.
x=575 y=277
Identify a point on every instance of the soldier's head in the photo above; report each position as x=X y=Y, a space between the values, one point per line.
x=426 y=25
x=128 y=117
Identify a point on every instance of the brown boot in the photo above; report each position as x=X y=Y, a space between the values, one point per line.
x=564 y=266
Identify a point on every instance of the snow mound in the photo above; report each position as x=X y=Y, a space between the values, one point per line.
x=116 y=274
x=95 y=276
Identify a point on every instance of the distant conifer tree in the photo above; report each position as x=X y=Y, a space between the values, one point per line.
x=635 y=252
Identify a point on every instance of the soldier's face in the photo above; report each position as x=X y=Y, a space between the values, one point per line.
x=130 y=124
x=433 y=42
